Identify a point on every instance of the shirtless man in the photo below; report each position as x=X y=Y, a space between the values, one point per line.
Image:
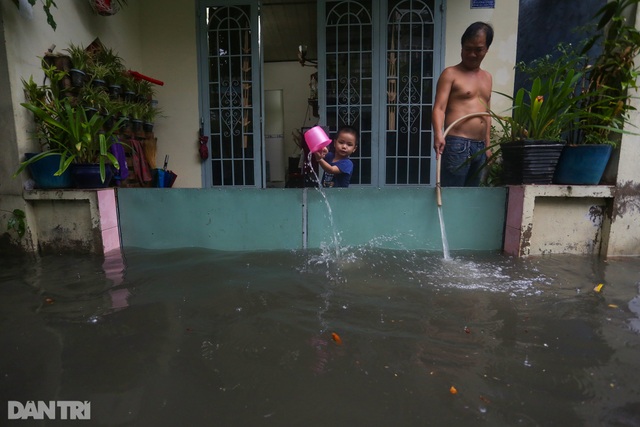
x=463 y=89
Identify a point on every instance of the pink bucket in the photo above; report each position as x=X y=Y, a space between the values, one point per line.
x=316 y=139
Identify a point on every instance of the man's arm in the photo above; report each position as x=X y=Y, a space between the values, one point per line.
x=443 y=90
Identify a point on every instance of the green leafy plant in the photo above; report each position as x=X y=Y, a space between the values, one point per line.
x=611 y=74
x=75 y=136
x=46 y=6
x=43 y=96
x=127 y=82
x=16 y=222
x=137 y=110
x=98 y=71
x=110 y=58
x=93 y=97
x=33 y=92
x=561 y=104
x=80 y=57
x=544 y=111
x=151 y=112
x=144 y=90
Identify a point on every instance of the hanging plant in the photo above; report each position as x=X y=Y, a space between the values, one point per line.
x=46 y=6
x=107 y=7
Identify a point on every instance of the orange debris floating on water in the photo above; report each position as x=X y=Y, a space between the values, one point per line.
x=335 y=337
x=453 y=390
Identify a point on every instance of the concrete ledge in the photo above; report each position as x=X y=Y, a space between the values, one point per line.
x=543 y=219
x=74 y=220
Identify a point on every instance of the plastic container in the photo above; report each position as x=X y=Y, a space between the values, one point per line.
x=582 y=164
x=316 y=139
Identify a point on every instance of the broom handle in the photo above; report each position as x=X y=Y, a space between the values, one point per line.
x=439 y=160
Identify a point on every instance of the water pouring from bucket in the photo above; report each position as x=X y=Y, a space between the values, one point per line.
x=445 y=243
x=317 y=139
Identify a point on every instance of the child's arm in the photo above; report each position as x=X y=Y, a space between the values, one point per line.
x=324 y=164
x=327 y=167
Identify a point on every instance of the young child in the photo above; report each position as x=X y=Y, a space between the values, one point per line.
x=336 y=165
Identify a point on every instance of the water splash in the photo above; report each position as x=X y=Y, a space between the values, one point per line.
x=336 y=241
x=443 y=232
x=326 y=258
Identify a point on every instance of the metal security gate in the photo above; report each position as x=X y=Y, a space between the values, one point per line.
x=377 y=63
x=349 y=30
x=409 y=87
x=230 y=102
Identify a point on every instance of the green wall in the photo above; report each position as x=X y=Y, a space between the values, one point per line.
x=277 y=219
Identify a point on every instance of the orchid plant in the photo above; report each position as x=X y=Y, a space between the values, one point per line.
x=544 y=111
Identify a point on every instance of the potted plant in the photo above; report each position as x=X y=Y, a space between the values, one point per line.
x=123 y=109
x=117 y=81
x=46 y=6
x=605 y=101
x=136 y=113
x=149 y=114
x=531 y=139
x=108 y=57
x=77 y=127
x=43 y=169
x=79 y=61
x=128 y=87
x=144 y=90
x=107 y=7
x=98 y=73
x=76 y=137
x=93 y=99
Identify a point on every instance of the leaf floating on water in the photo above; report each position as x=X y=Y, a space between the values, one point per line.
x=336 y=338
x=453 y=390
x=49 y=300
x=467 y=330
x=613 y=306
x=598 y=288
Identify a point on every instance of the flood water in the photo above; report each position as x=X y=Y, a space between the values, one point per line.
x=197 y=337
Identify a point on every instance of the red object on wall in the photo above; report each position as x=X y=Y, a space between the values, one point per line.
x=139 y=76
x=204 y=148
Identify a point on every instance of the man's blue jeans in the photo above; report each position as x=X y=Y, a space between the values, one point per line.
x=458 y=168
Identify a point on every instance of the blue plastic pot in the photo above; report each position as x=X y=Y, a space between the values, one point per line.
x=43 y=171
x=582 y=164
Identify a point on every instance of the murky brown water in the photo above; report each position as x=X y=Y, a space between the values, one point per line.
x=195 y=337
